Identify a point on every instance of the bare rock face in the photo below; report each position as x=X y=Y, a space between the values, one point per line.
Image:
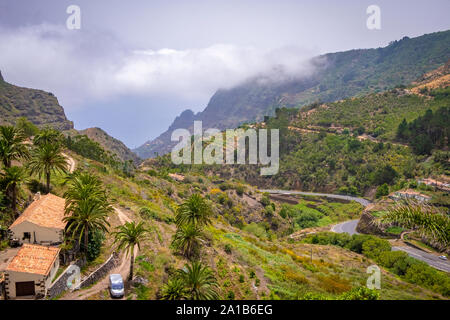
x=368 y=225
x=40 y=107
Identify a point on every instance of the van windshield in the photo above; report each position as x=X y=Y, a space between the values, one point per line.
x=117 y=286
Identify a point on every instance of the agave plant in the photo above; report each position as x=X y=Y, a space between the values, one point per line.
x=428 y=220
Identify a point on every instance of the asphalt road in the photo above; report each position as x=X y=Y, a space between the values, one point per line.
x=347 y=226
x=430 y=259
x=362 y=201
x=350 y=228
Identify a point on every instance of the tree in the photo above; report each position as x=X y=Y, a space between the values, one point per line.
x=87 y=205
x=127 y=237
x=195 y=210
x=199 y=281
x=88 y=214
x=382 y=190
x=83 y=185
x=28 y=128
x=48 y=136
x=187 y=239
x=386 y=174
x=14 y=178
x=12 y=146
x=429 y=221
x=174 y=290
x=46 y=159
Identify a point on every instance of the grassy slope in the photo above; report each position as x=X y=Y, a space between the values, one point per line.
x=283 y=269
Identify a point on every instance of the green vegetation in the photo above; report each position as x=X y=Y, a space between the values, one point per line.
x=87 y=206
x=309 y=214
x=194 y=282
x=409 y=269
x=429 y=131
x=430 y=222
x=127 y=237
x=47 y=159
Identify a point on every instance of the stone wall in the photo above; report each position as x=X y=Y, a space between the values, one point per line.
x=102 y=271
x=60 y=284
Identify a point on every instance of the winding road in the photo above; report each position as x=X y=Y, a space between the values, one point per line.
x=350 y=228
x=362 y=201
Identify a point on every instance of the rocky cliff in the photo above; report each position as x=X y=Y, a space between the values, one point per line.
x=40 y=107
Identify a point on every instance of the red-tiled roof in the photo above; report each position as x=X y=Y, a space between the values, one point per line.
x=34 y=259
x=47 y=211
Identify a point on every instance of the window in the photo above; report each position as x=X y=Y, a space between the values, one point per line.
x=26 y=235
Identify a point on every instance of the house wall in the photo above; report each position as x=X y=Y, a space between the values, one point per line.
x=43 y=235
x=41 y=282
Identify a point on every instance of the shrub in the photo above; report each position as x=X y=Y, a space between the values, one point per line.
x=360 y=293
x=227 y=248
x=382 y=190
x=96 y=239
x=230 y=295
x=374 y=247
x=240 y=190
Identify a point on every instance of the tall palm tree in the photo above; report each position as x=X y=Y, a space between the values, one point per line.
x=12 y=146
x=46 y=159
x=127 y=237
x=87 y=215
x=48 y=136
x=83 y=185
x=14 y=178
x=188 y=239
x=199 y=281
x=195 y=210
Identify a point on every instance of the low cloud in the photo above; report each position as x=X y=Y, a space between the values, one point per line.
x=78 y=66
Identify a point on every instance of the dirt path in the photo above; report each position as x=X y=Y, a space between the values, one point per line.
x=123 y=269
x=71 y=162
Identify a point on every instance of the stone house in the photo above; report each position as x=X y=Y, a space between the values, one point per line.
x=41 y=222
x=31 y=271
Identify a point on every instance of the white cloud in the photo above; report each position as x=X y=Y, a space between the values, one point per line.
x=78 y=65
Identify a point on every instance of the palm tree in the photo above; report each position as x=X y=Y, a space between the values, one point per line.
x=188 y=239
x=46 y=159
x=194 y=210
x=174 y=289
x=14 y=178
x=199 y=281
x=429 y=221
x=87 y=215
x=83 y=185
x=12 y=146
x=48 y=136
x=127 y=237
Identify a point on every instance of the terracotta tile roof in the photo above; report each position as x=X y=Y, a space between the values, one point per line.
x=47 y=211
x=34 y=259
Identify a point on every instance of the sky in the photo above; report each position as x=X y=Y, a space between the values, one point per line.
x=133 y=66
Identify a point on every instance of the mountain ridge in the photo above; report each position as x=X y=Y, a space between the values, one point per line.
x=338 y=75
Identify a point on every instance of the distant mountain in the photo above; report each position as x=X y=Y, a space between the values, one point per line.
x=40 y=107
x=110 y=144
x=337 y=76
